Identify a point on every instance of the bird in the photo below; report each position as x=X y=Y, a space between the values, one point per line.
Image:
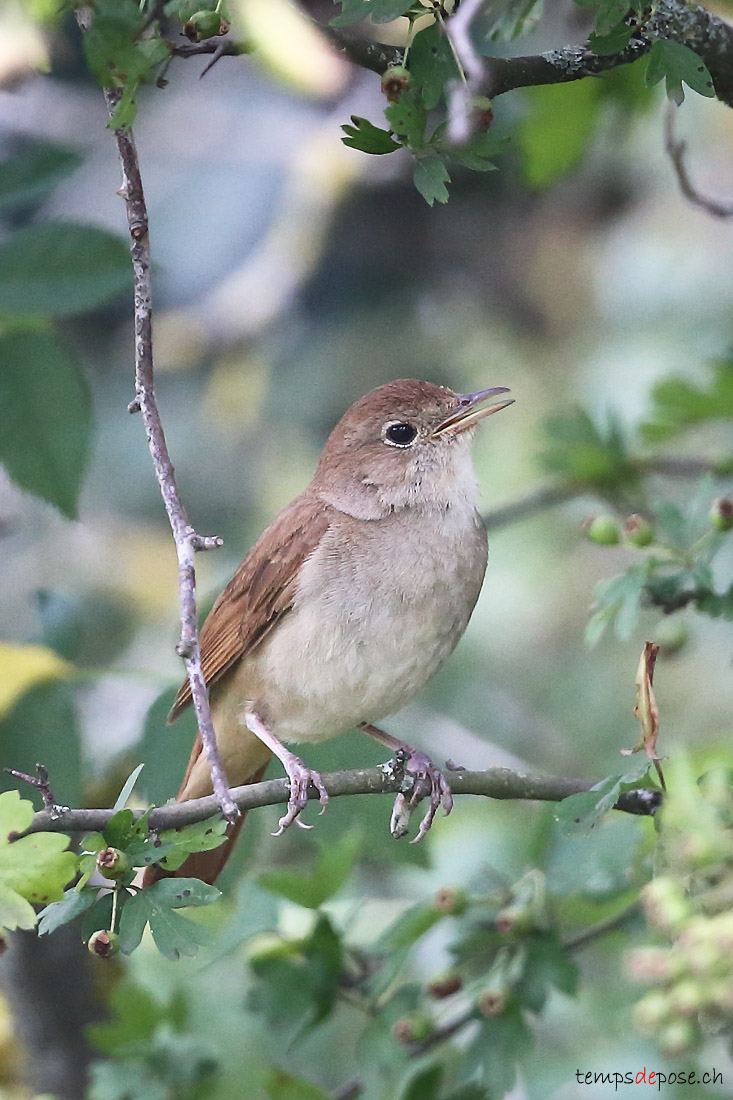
x=348 y=603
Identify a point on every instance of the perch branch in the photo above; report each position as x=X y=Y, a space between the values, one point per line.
x=186 y=539
x=493 y=783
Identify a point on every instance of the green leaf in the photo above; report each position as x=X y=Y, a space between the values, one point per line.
x=425 y=1084
x=120 y=830
x=127 y=788
x=27 y=179
x=578 y=814
x=618 y=600
x=678 y=63
x=35 y=867
x=677 y=404
x=582 y=451
x=115 y=56
x=556 y=130
x=497 y=1048
x=432 y=64
x=547 y=966
x=331 y=870
x=163 y=748
x=408 y=118
x=73 y=904
x=431 y=175
x=57 y=269
x=408 y=928
x=363 y=135
x=507 y=19
x=43 y=725
x=380 y=11
x=174 y=935
x=280 y=1085
x=612 y=41
x=134 y=1015
x=45 y=438
x=124 y=1081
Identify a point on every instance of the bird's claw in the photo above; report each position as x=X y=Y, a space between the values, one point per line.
x=300 y=776
x=426 y=781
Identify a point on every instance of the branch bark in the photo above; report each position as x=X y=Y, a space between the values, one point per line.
x=186 y=539
x=501 y=783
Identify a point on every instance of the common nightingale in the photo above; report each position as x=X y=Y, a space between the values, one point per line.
x=349 y=601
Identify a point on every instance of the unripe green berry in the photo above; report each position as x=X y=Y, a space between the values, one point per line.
x=113 y=863
x=481 y=115
x=395 y=81
x=721 y=514
x=671 y=635
x=491 y=1002
x=514 y=919
x=638 y=531
x=204 y=24
x=104 y=944
x=415 y=1027
x=604 y=530
x=451 y=900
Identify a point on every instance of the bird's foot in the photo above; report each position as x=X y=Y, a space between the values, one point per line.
x=299 y=776
x=426 y=781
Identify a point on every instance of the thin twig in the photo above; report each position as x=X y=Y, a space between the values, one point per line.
x=42 y=784
x=609 y=924
x=676 y=149
x=500 y=783
x=186 y=539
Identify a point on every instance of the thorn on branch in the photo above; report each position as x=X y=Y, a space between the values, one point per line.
x=205 y=542
x=134 y=406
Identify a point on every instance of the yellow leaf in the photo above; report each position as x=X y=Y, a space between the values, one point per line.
x=24 y=666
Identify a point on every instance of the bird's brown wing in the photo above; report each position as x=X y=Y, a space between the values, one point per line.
x=260 y=592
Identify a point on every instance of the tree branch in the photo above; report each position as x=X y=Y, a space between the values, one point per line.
x=186 y=539
x=501 y=783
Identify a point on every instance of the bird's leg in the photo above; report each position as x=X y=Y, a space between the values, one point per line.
x=428 y=780
x=298 y=774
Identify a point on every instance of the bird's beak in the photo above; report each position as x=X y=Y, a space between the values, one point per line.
x=473 y=407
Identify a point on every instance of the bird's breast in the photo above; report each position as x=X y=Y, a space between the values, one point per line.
x=379 y=607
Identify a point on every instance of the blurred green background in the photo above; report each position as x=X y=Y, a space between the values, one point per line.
x=291 y=275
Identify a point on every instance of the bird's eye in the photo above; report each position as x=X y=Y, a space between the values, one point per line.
x=399 y=434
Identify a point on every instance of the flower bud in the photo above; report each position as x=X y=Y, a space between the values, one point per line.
x=603 y=530
x=415 y=1027
x=638 y=531
x=395 y=81
x=451 y=900
x=721 y=515
x=104 y=944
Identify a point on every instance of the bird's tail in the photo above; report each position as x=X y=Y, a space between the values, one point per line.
x=197 y=783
